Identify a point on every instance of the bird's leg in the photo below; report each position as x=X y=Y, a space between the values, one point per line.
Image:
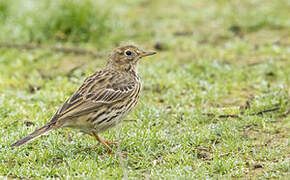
x=103 y=142
x=106 y=141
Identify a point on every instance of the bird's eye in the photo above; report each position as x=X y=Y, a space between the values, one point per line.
x=128 y=52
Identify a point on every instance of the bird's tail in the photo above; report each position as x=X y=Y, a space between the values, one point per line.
x=46 y=128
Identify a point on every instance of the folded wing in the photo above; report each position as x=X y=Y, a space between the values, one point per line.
x=99 y=89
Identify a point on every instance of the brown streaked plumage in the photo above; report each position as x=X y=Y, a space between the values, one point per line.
x=104 y=98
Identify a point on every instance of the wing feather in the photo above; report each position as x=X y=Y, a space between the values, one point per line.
x=96 y=91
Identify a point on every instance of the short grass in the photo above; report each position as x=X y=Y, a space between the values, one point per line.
x=214 y=58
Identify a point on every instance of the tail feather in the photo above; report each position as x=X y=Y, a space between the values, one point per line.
x=35 y=134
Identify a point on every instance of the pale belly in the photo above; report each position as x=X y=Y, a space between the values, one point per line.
x=83 y=124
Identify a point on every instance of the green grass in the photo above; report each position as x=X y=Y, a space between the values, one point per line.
x=45 y=21
x=215 y=56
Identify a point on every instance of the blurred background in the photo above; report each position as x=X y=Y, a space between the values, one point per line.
x=215 y=58
x=103 y=23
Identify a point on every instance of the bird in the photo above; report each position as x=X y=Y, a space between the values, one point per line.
x=103 y=100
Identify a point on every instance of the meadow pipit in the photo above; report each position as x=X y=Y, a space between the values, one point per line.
x=103 y=100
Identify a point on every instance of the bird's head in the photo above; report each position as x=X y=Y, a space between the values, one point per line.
x=125 y=58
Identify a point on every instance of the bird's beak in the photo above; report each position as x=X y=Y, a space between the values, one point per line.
x=143 y=54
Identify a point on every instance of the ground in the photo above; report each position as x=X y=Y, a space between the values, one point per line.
x=214 y=58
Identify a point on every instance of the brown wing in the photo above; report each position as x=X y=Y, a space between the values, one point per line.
x=99 y=89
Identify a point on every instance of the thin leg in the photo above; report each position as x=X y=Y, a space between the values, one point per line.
x=103 y=142
x=107 y=141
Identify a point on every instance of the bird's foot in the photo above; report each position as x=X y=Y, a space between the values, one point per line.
x=111 y=142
